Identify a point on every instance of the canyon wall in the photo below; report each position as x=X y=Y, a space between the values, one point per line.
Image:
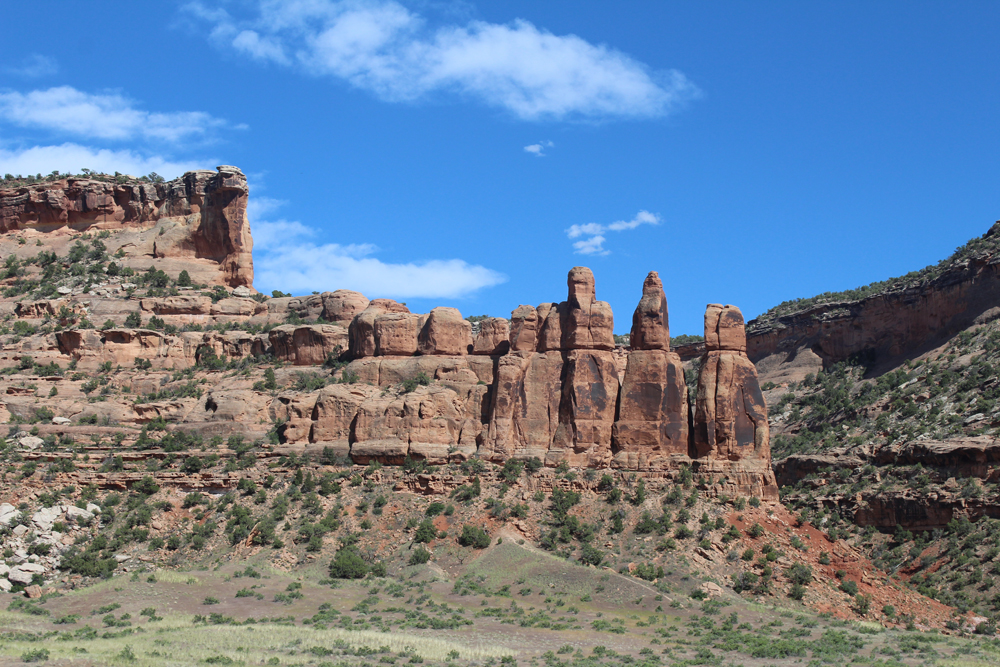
x=201 y=215
x=548 y=383
x=903 y=320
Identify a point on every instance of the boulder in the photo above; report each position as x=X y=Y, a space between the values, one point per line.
x=493 y=338
x=5 y=586
x=444 y=332
x=78 y=514
x=45 y=517
x=23 y=573
x=8 y=514
x=34 y=591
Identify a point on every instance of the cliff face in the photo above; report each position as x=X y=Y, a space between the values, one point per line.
x=904 y=319
x=202 y=215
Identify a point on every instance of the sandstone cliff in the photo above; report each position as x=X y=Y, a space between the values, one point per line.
x=199 y=216
x=886 y=323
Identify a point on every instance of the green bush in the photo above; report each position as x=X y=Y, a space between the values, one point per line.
x=473 y=536
x=348 y=564
x=419 y=556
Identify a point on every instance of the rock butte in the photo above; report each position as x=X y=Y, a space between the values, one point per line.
x=549 y=383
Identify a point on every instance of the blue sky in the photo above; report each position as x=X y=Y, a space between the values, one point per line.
x=471 y=153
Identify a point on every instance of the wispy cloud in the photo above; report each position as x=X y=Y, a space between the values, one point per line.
x=106 y=116
x=538 y=150
x=383 y=47
x=33 y=66
x=289 y=256
x=593 y=244
x=71 y=158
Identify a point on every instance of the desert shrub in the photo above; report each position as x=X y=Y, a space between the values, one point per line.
x=419 y=556
x=473 y=536
x=348 y=564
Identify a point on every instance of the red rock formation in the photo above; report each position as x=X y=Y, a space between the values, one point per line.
x=557 y=401
x=362 y=329
x=203 y=214
x=524 y=329
x=652 y=421
x=903 y=320
x=731 y=434
x=493 y=338
x=444 y=332
x=307 y=344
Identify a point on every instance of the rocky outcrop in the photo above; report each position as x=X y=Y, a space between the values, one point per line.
x=549 y=383
x=730 y=424
x=444 y=332
x=557 y=401
x=953 y=474
x=493 y=337
x=307 y=344
x=201 y=215
x=652 y=423
x=362 y=329
x=903 y=319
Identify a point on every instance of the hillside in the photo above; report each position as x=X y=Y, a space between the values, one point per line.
x=366 y=481
x=898 y=436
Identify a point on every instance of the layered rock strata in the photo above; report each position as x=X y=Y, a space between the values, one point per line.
x=548 y=383
x=199 y=216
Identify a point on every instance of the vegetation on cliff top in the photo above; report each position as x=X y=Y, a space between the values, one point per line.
x=987 y=244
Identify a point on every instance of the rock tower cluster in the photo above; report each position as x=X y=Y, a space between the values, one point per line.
x=547 y=383
x=550 y=385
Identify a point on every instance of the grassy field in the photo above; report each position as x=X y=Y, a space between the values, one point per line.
x=513 y=604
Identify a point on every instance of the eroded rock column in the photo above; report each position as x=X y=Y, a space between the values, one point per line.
x=731 y=436
x=652 y=426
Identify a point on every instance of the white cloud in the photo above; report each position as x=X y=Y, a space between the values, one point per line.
x=383 y=47
x=33 y=66
x=591 y=246
x=71 y=158
x=287 y=257
x=594 y=243
x=108 y=116
x=538 y=150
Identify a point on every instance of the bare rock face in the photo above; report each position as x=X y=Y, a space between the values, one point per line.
x=493 y=338
x=342 y=305
x=307 y=344
x=730 y=421
x=362 y=328
x=724 y=328
x=445 y=332
x=201 y=215
x=524 y=329
x=650 y=322
x=396 y=333
x=652 y=426
x=557 y=401
x=589 y=322
x=653 y=417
